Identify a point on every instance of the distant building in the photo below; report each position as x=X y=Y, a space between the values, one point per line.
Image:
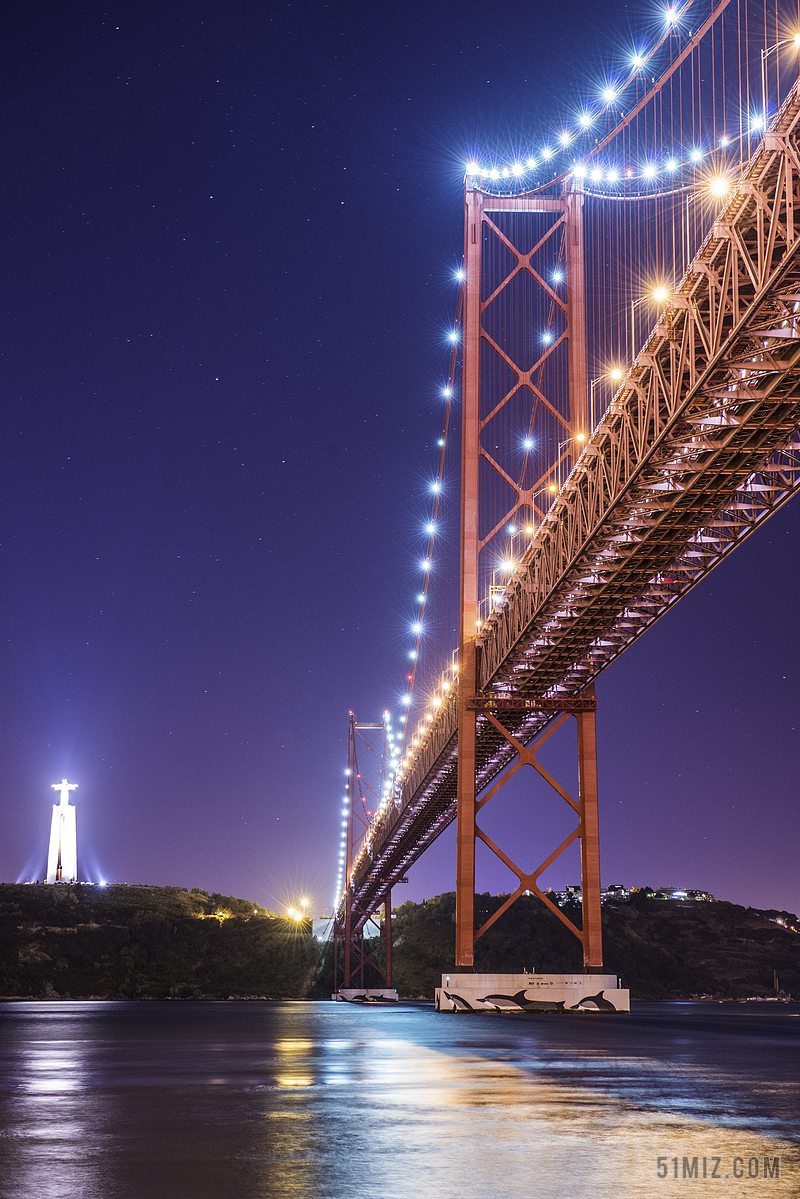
x=680 y=893
x=616 y=891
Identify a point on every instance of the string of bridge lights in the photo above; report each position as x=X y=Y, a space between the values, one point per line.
x=391 y=737
x=400 y=758
x=651 y=170
x=395 y=739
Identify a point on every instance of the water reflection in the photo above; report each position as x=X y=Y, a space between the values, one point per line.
x=51 y=1148
x=273 y=1101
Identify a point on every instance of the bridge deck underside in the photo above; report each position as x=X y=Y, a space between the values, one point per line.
x=699 y=446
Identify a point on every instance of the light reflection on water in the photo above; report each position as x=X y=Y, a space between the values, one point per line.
x=273 y=1101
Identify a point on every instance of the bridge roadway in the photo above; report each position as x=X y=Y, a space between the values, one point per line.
x=699 y=446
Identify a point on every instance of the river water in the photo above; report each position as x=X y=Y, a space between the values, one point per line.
x=254 y=1100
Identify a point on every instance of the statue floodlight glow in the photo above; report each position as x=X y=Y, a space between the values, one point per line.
x=62 y=858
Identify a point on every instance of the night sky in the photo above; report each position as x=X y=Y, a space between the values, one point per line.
x=230 y=232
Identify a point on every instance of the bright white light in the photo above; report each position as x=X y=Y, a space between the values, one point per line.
x=547 y=337
x=566 y=138
x=597 y=174
x=531 y=163
x=649 y=171
x=512 y=528
x=580 y=170
x=612 y=176
x=440 y=442
x=416 y=628
x=696 y=154
x=473 y=168
x=517 y=169
x=609 y=95
x=527 y=443
x=547 y=153
x=719 y=186
x=413 y=653
x=757 y=123
x=671 y=164
x=461 y=274
x=425 y=564
x=430 y=528
x=723 y=141
x=558 y=276
x=505 y=172
x=406 y=700
x=637 y=61
x=436 y=487
x=420 y=599
x=507 y=566
x=586 y=119
x=453 y=335
x=446 y=392
x=494 y=173
x=671 y=16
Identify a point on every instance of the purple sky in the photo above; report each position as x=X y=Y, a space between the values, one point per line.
x=228 y=248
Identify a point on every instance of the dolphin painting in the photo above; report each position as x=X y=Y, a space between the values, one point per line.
x=466 y=1006
x=600 y=1002
x=526 y=1005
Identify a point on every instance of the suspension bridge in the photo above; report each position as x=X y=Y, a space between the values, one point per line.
x=626 y=368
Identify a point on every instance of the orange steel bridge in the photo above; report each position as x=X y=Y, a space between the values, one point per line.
x=626 y=509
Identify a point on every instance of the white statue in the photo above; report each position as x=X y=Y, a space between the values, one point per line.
x=62 y=859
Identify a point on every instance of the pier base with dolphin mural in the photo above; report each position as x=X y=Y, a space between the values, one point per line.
x=366 y=995
x=532 y=993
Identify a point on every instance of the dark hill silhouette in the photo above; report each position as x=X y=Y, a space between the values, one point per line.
x=140 y=942
x=661 y=949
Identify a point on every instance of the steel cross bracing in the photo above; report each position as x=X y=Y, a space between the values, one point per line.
x=699 y=446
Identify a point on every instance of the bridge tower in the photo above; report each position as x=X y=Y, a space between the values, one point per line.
x=524 y=364
x=367 y=791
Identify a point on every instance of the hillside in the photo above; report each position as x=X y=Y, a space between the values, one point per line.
x=662 y=949
x=137 y=942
